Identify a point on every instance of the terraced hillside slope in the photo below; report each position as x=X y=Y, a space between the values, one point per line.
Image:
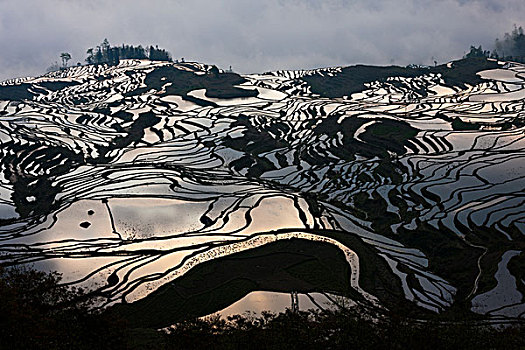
x=125 y=178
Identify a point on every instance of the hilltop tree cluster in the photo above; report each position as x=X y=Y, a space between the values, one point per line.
x=511 y=47
x=105 y=53
x=477 y=52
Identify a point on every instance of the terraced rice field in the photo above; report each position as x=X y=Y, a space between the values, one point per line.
x=124 y=178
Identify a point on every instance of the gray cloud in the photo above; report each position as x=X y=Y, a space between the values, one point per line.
x=254 y=36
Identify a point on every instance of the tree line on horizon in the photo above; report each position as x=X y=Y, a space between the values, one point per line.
x=511 y=47
x=105 y=53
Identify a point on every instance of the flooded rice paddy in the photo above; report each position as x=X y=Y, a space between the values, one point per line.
x=123 y=181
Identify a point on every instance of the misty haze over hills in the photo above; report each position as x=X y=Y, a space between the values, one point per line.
x=255 y=36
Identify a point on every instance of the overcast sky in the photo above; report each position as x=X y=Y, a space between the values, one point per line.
x=254 y=36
